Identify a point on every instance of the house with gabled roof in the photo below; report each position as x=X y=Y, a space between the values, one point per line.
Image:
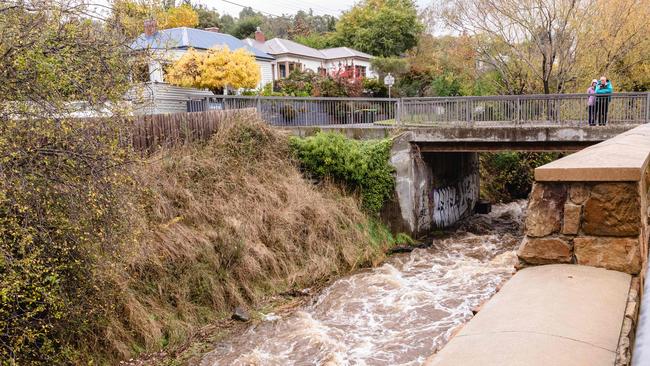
x=168 y=45
x=289 y=55
x=161 y=48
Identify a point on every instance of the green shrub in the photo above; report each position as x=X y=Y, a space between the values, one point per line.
x=62 y=214
x=509 y=175
x=360 y=165
x=375 y=88
x=298 y=83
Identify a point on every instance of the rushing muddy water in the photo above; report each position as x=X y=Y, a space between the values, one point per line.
x=399 y=313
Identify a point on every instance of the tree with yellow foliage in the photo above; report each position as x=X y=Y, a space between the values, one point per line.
x=218 y=68
x=130 y=15
x=180 y=16
x=616 y=44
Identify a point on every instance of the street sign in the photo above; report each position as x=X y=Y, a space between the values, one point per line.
x=389 y=80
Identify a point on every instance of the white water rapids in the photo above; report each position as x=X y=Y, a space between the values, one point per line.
x=399 y=313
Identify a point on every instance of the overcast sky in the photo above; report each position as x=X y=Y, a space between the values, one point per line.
x=279 y=7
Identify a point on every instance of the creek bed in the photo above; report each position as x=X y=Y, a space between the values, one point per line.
x=399 y=313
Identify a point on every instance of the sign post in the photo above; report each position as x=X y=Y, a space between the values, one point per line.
x=389 y=80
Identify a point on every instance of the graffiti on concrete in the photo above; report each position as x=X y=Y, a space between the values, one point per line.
x=451 y=203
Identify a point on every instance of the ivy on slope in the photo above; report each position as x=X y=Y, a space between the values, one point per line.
x=360 y=166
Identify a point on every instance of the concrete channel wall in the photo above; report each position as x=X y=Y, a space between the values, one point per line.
x=592 y=208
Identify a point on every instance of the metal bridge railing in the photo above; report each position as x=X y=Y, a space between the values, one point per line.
x=554 y=109
x=306 y=111
x=509 y=110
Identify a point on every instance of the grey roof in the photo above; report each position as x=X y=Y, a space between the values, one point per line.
x=278 y=46
x=184 y=38
x=343 y=52
x=259 y=45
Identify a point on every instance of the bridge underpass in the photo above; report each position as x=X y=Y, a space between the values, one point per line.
x=437 y=168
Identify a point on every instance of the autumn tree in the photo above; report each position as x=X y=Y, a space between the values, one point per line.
x=218 y=68
x=617 y=44
x=129 y=15
x=380 y=27
x=180 y=16
x=62 y=179
x=527 y=41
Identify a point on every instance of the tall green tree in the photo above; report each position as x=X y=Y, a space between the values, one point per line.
x=208 y=17
x=380 y=27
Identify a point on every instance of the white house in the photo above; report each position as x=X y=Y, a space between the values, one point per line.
x=290 y=55
x=162 y=48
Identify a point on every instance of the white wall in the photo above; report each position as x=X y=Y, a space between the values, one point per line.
x=308 y=63
x=333 y=65
x=266 y=71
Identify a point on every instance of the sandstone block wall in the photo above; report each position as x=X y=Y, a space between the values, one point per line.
x=601 y=224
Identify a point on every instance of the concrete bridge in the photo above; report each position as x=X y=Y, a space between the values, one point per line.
x=436 y=140
x=437 y=168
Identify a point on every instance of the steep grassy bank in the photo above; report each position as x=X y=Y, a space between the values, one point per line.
x=227 y=223
x=133 y=256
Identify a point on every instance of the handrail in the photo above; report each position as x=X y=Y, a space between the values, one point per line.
x=526 y=97
x=580 y=109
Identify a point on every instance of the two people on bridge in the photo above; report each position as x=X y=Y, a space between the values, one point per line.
x=598 y=103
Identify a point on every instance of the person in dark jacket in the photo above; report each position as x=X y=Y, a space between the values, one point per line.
x=591 y=103
x=603 y=96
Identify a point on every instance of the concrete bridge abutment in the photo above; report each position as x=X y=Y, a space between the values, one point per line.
x=432 y=189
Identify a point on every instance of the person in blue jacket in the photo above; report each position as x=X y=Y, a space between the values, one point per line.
x=603 y=96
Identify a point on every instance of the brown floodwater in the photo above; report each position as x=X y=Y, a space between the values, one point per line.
x=399 y=313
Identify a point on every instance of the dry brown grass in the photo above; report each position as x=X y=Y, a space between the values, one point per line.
x=227 y=223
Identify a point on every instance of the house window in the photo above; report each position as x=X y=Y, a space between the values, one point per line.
x=360 y=71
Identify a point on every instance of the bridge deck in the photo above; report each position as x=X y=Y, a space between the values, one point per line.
x=547 y=315
x=454 y=138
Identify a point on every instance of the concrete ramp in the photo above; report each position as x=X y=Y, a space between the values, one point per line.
x=556 y=315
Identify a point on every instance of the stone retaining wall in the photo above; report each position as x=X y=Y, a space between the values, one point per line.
x=599 y=224
x=591 y=208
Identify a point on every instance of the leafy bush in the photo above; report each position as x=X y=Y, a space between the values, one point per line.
x=338 y=85
x=62 y=213
x=375 y=88
x=298 y=83
x=360 y=165
x=510 y=175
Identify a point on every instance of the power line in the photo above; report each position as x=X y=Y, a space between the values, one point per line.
x=245 y=6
